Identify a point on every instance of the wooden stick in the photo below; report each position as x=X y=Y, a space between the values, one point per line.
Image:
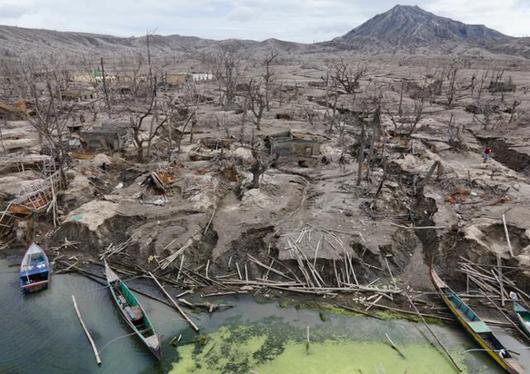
x=372 y=304
x=390 y=271
x=179 y=309
x=359 y=311
x=98 y=359
x=394 y=346
x=268 y=267
x=507 y=235
x=418 y=227
x=433 y=334
x=239 y=271
x=180 y=267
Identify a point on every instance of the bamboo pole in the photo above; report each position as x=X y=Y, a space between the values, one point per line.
x=501 y=284
x=359 y=311
x=394 y=346
x=390 y=271
x=179 y=309
x=433 y=334
x=96 y=354
x=507 y=235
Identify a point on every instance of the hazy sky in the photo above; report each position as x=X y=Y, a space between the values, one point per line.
x=294 y=20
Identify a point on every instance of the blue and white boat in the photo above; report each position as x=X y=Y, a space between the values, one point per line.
x=35 y=270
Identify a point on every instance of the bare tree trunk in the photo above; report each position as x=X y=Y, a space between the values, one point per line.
x=400 y=110
x=105 y=89
x=360 y=156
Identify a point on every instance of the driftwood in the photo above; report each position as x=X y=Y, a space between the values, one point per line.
x=94 y=348
x=394 y=346
x=359 y=311
x=179 y=309
x=433 y=334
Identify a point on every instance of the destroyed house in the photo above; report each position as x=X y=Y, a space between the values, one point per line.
x=108 y=137
x=77 y=95
x=294 y=144
x=11 y=113
x=176 y=79
x=200 y=77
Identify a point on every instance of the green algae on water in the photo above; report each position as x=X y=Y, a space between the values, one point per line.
x=280 y=348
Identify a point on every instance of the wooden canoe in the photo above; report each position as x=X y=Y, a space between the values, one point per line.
x=35 y=270
x=523 y=317
x=476 y=327
x=132 y=311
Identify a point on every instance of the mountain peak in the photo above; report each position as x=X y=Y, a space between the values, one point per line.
x=411 y=26
x=399 y=7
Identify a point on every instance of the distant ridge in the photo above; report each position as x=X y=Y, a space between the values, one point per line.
x=402 y=29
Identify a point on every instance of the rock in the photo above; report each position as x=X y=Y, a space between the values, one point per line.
x=11 y=184
x=331 y=154
x=243 y=154
x=79 y=191
x=100 y=160
x=92 y=214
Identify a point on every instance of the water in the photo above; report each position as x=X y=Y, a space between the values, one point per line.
x=41 y=334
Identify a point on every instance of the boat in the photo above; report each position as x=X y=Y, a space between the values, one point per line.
x=523 y=317
x=35 y=270
x=476 y=327
x=132 y=311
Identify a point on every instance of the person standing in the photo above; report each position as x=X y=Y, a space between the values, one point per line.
x=486 y=154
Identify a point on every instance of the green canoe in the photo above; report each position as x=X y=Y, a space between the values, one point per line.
x=132 y=311
x=523 y=317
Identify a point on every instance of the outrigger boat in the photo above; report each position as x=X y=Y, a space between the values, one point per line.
x=523 y=317
x=132 y=312
x=476 y=327
x=35 y=270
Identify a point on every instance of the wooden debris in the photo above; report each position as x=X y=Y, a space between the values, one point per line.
x=94 y=348
x=394 y=346
x=179 y=309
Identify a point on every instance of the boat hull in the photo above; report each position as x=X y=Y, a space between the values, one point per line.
x=523 y=318
x=34 y=287
x=508 y=367
x=152 y=341
x=35 y=270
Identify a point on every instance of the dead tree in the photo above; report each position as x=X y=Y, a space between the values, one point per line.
x=43 y=90
x=451 y=91
x=225 y=67
x=256 y=101
x=482 y=86
x=268 y=76
x=487 y=111
x=105 y=88
x=360 y=154
x=455 y=134
x=332 y=97
x=408 y=121
x=139 y=109
x=262 y=162
x=346 y=76
x=513 y=111
x=376 y=134
x=183 y=114
x=436 y=166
